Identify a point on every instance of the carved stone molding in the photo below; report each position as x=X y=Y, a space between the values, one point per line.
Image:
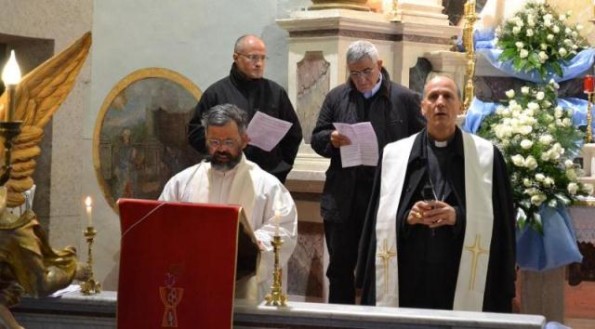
x=343 y=4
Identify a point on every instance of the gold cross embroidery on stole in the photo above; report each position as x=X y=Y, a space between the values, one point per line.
x=476 y=250
x=385 y=254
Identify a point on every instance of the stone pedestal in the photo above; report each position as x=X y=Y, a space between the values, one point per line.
x=588 y=155
x=543 y=293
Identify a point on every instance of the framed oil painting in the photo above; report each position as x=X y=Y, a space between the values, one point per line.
x=140 y=138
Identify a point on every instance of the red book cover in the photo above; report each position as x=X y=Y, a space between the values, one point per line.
x=178 y=264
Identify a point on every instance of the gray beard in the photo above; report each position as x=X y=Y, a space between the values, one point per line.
x=225 y=166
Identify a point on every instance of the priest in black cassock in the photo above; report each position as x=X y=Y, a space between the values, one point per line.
x=440 y=227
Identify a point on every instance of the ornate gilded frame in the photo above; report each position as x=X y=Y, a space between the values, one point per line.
x=144 y=142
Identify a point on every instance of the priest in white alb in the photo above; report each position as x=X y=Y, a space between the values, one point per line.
x=229 y=178
x=440 y=227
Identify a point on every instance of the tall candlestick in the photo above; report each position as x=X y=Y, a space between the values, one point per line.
x=11 y=76
x=89 y=206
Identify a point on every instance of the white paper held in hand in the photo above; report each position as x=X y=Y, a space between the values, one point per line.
x=265 y=131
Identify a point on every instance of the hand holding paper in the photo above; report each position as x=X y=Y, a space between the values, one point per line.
x=363 y=149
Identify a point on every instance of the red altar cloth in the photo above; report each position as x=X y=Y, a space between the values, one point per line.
x=178 y=264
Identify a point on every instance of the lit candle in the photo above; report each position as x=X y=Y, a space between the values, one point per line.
x=89 y=206
x=11 y=76
x=588 y=84
x=277 y=221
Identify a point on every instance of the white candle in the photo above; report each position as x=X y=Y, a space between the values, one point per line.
x=89 y=206
x=277 y=221
x=11 y=76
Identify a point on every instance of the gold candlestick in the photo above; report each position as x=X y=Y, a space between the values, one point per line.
x=589 y=136
x=276 y=297
x=470 y=18
x=90 y=286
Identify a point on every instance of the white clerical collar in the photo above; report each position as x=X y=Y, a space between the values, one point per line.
x=441 y=144
x=374 y=90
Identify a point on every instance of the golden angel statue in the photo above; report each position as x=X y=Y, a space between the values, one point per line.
x=28 y=264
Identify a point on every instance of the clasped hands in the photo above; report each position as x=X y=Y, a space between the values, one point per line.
x=432 y=214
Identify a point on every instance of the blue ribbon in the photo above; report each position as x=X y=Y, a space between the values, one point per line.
x=556 y=247
x=575 y=67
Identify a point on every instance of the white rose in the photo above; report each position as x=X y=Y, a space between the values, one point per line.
x=529 y=32
x=518 y=160
x=543 y=46
x=524 y=53
x=566 y=122
x=510 y=93
x=530 y=162
x=533 y=106
x=572 y=188
x=539 y=177
x=571 y=175
x=567 y=30
x=556 y=29
x=547 y=23
x=516 y=30
x=588 y=189
x=568 y=164
x=550 y=37
x=562 y=51
x=558 y=112
x=536 y=200
x=548 y=182
x=568 y=42
x=578 y=27
x=547 y=104
x=562 y=17
x=545 y=156
x=525 y=90
x=546 y=139
x=527 y=182
x=519 y=44
x=543 y=57
x=526 y=144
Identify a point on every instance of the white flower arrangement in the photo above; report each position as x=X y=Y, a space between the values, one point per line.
x=537 y=38
x=539 y=143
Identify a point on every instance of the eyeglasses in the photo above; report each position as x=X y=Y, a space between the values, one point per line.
x=254 y=58
x=359 y=74
x=216 y=143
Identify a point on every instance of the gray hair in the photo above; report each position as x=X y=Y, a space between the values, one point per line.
x=220 y=115
x=360 y=49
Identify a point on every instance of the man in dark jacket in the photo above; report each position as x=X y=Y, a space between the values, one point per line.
x=394 y=113
x=246 y=88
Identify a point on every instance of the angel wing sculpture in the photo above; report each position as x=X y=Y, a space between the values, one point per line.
x=27 y=261
x=37 y=97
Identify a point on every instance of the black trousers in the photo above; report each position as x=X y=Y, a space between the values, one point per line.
x=342 y=240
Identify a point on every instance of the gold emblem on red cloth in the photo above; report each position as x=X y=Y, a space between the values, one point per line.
x=170 y=297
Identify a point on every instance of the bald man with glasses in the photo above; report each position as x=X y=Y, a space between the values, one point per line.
x=247 y=88
x=394 y=113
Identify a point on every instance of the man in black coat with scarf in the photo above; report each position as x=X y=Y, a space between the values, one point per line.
x=440 y=227
x=246 y=88
x=394 y=113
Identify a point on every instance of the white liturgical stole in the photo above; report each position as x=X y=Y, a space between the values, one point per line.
x=479 y=156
